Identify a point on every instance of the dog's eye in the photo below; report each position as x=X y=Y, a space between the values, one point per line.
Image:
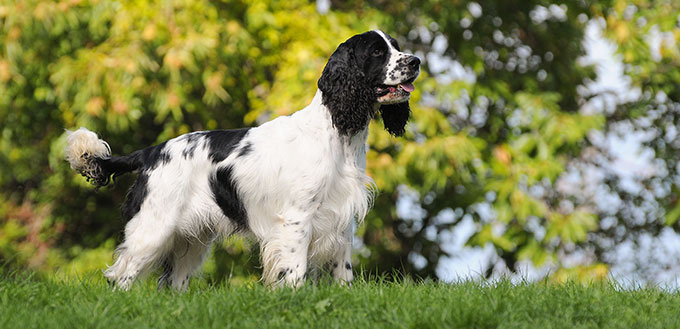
x=377 y=52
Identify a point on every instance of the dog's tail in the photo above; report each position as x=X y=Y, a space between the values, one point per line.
x=91 y=157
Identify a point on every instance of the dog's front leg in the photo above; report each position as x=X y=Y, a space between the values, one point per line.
x=284 y=253
x=341 y=266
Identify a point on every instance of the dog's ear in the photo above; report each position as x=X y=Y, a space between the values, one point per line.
x=345 y=90
x=340 y=67
x=395 y=116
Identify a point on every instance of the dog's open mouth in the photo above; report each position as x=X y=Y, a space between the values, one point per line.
x=402 y=88
x=395 y=94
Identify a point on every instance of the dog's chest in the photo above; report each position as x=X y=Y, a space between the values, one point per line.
x=345 y=197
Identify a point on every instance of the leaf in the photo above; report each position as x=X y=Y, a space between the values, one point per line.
x=673 y=215
x=322 y=306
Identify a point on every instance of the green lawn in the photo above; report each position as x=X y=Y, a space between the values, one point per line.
x=28 y=302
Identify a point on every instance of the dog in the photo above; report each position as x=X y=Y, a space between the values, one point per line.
x=297 y=184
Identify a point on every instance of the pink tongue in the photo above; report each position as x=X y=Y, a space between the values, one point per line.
x=407 y=86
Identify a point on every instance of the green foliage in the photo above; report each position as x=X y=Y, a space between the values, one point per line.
x=88 y=303
x=500 y=134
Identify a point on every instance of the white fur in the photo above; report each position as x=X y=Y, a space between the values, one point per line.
x=81 y=142
x=318 y=180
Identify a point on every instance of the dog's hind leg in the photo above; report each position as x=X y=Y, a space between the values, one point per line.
x=148 y=238
x=186 y=257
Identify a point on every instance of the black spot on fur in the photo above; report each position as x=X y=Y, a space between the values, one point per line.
x=223 y=142
x=135 y=197
x=348 y=266
x=164 y=279
x=226 y=196
x=192 y=143
x=395 y=116
x=151 y=157
x=186 y=280
x=245 y=150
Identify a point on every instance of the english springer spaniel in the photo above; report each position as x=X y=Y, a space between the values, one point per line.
x=296 y=183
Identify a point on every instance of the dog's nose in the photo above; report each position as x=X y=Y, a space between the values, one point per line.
x=413 y=62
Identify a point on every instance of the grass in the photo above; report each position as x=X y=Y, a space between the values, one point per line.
x=29 y=302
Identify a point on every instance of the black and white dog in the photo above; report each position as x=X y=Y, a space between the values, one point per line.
x=295 y=183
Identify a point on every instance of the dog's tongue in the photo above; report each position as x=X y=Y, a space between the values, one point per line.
x=407 y=86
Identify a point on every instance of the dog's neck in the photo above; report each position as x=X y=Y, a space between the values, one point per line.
x=318 y=116
x=350 y=111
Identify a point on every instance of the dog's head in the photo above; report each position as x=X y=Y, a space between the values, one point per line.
x=366 y=72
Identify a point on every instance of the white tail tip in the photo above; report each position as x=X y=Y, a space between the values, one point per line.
x=83 y=144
